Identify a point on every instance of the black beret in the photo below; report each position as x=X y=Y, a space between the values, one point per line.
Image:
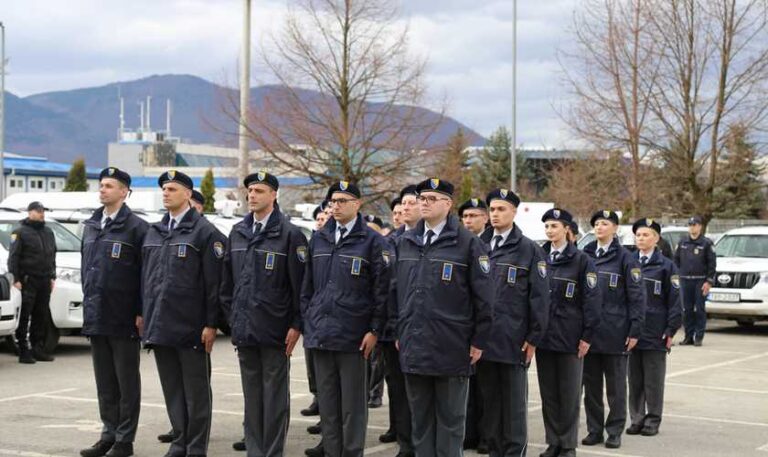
x=262 y=177
x=317 y=211
x=646 y=222
x=198 y=197
x=395 y=202
x=175 y=176
x=604 y=214
x=409 y=190
x=374 y=220
x=472 y=203
x=503 y=194
x=435 y=185
x=344 y=187
x=694 y=220
x=574 y=227
x=115 y=173
x=557 y=214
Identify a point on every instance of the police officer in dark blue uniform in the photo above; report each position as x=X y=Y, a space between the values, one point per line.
x=111 y=275
x=647 y=363
x=343 y=303
x=260 y=293
x=474 y=215
x=182 y=257
x=623 y=298
x=197 y=201
x=444 y=300
x=521 y=315
x=696 y=260
x=574 y=318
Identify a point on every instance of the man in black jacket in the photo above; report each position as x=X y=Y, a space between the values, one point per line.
x=32 y=261
x=182 y=257
x=111 y=275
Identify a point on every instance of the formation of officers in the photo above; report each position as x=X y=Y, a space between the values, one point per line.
x=456 y=314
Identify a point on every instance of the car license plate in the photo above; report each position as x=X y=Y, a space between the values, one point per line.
x=725 y=297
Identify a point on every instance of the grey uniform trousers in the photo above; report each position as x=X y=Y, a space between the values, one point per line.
x=612 y=368
x=438 y=414
x=647 y=370
x=504 y=389
x=560 y=387
x=118 y=385
x=399 y=410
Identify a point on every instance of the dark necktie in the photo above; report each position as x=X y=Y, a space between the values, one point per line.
x=643 y=260
x=107 y=221
x=342 y=232
x=600 y=252
x=496 y=242
x=430 y=234
x=256 y=228
x=554 y=255
x=173 y=224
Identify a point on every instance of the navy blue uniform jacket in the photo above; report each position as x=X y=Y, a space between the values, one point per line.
x=663 y=314
x=696 y=259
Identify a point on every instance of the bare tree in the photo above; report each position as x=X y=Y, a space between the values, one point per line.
x=360 y=120
x=612 y=73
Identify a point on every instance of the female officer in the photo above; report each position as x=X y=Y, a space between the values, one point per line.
x=623 y=300
x=574 y=317
x=647 y=364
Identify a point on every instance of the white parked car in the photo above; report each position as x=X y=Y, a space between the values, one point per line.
x=740 y=292
x=67 y=296
x=10 y=305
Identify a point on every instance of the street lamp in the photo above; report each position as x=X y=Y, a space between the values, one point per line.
x=513 y=152
x=2 y=111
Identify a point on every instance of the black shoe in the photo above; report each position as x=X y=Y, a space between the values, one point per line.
x=470 y=444
x=649 y=431
x=592 y=439
x=167 y=437
x=698 y=342
x=312 y=410
x=374 y=403
x=97 y=450
x=613 y=442
x=315 y=429
x=316 y=451
x=121 y=450
x=634 y=429
x=388 y=437
x=405 y=454
x=482 y=447
x=41 y=356
x=551 y=451
x=174 y=454
x=239 y=445
x=686 y=342
x=567 y=453
x=25 y=356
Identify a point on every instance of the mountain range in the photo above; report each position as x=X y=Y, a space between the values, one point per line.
x=64 y=125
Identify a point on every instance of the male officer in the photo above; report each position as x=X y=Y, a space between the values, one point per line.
x=696 y=260
x=111 y=276
x=396 y=207
x=343 y=304
x=197 y=201
x=474 y=215
x=623 y=298
x=32 y=261
x=261 y=285
x=521 y=315
x=444 y=301
x=181 y=271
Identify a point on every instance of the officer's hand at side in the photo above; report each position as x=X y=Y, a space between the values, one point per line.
x=530 y=351
x=630 y=343
x=705 y=288
x=474 y=354
x=583 y=348
x=290 y=340
x=668 y=341
x=207 y=338
x=369 y=342
x=17 y=285
x=140 y=325
x=53 y=283
x=397 y=345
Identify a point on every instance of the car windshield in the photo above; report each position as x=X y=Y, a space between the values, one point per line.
x=742 y=246
x=673 y=238
x=65 y=240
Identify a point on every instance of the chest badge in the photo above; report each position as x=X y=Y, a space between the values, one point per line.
x=116 y=247
x=512 y=275
x=182 y=251
x=269 y=263
x=656 y=287
x=570 y=290
x=447 y=272
x=614 y=282
x=357 y=265
x=695 y=251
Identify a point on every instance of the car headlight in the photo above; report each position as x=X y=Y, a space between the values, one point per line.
x=764 y=277
x=68 y=274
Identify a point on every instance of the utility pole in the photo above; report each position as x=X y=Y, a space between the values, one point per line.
x=245 y=90
x=2 y=111
x=513 y=152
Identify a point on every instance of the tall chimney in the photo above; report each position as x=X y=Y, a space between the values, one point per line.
x=168 y=118
x=149 y=114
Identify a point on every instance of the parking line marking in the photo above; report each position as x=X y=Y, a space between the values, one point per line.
x=717 y=365
x=21 y=397
x=716 y=420
x=723 y=389
x=26 y=453
x=379 y=448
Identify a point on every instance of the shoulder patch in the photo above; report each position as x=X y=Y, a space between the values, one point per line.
x=14 y=236
x=485 y=263
x=675 y=280
x=636 y=274
x=386 y=256
x=218 y=249
x=541 y=267
x=301 y=254
x=592 y=280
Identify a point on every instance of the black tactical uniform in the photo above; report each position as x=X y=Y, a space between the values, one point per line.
x=696 y=261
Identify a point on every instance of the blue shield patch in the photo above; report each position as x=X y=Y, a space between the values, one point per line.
x=182 y=250
x=656 y=287
x=269 y=262
x=218 y=249
x=614 y=280
x=357 y=265
x=116 y=247
x=570 y=290
x=512 y=275
x=675 y=280
x=541 y=267
x=434 y=183
x=485 y=263
x=301 y=254
x=447 y=272
x=591 y=280
x=636 y=274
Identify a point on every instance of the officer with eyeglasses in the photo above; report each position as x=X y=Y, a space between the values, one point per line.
x=343 y=304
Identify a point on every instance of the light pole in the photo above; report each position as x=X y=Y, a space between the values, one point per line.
x=513 y=152
x=245 y=89
x=2 y=111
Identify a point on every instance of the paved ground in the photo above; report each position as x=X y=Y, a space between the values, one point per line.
x=716 y=405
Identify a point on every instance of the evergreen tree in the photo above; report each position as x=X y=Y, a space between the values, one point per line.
x=492 y=168
x=76 y=178
x=453 y=162
x=741 y=194
x=208 y=189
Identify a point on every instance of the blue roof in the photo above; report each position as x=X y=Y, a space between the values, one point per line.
x=42 y=167
x=225 y=183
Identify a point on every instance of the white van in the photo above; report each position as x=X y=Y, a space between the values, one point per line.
x=740 y=292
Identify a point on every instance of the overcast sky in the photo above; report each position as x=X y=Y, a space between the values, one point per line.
x=59 y=45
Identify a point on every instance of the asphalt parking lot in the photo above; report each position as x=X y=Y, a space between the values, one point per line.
x=716 y=404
